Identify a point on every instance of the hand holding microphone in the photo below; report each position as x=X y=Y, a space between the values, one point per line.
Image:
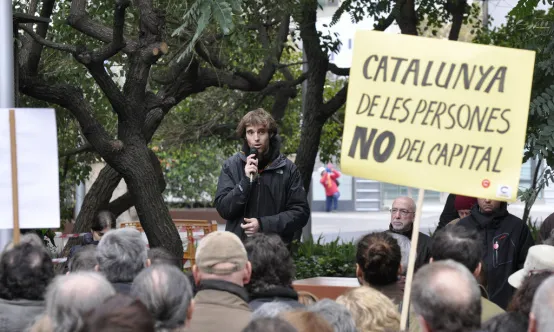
x=251 y=164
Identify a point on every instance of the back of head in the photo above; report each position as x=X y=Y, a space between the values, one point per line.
x=70 y=296
x=269 y=324
x=271 y=309
x=335 y=314
x=119 y=313
x=103 y=220
x=221 y=256
x=30 y=238
x=447 y=296
x=83 y=260
x=547 y=229
x=543 y=306
x=405 y=244
x=162 y=256
x=271 y=261
x=25 y=272
x=459 y=244
x=121 y=254
x=166 y=292
x=507 y=322
x=371 y=310
x=306 y=321
x=378 y=256
x=523 y=298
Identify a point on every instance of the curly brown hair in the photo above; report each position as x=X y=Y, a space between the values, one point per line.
x=254 y=118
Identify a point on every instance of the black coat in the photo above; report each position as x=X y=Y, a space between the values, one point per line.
x=449 y=212
x=506 y=240
x=276 y=197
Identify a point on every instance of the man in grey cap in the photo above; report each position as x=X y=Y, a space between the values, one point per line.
x=221 y=270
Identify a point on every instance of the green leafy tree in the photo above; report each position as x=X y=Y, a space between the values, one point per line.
x=532 y=29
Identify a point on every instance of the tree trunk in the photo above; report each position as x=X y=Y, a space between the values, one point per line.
x=307 y=151
x=407 y=20
x=95 y=200
x=143 y=184
x=457 y=9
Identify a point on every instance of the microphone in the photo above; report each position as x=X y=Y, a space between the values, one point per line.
x=253 y=151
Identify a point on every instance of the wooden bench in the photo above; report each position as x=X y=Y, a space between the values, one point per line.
x=195 y=230
x=326 y=287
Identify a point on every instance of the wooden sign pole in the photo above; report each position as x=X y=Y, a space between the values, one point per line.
x=411 y=263
x=15 y=189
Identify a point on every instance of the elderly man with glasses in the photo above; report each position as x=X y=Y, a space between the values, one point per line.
x=402 y=222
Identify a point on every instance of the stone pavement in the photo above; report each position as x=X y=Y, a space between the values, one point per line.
x=352 y=225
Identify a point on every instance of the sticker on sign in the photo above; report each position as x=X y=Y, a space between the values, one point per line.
x=436 y=114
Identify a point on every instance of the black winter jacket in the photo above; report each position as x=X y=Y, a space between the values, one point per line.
x=276 y=294
x=276 y=197
x=506 y=240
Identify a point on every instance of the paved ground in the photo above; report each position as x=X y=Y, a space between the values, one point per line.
x=352 y=225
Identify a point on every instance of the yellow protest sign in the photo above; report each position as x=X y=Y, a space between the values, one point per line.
x=437 y=114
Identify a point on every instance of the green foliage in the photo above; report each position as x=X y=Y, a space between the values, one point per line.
x=201 y=13
x=333 y=259
x=191 y=171
x=526 y=7
x=534 y=227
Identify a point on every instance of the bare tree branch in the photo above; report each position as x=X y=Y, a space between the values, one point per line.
x=385 y=23
x=117 y=43
x=336 y=102
x=457 y=9
x=80 y=20
x=33 y=59
x=44 y=42
x=107 y=85
x=82 y=149
x=338 y=71
x=72 y=98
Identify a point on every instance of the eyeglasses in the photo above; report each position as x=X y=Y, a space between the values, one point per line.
x=403 y=212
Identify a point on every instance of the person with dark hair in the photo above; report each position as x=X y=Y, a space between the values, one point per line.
x=271 y=324
x=463 y=245
x=506 y=239
x=160 y=255
x=259 y=189
x=523 y=298
x=378 y=259
x=119 y=313
x=25 y=272
x=507 y=322
x=83 y=260
x=102 y=222
x=546 y=231
x=272 y=271
x=402 y=215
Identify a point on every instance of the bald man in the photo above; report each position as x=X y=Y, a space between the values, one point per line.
x=402 y=222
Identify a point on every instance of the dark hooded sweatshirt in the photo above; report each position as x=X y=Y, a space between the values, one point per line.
x=276 y=197
x=506 y=240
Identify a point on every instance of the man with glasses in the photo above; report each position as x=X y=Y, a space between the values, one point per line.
x=402 y=222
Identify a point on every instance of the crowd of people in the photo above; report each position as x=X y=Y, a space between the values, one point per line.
x=118 y=284
x=481 y=271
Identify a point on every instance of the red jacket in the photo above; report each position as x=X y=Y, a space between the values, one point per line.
x=328 y=180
